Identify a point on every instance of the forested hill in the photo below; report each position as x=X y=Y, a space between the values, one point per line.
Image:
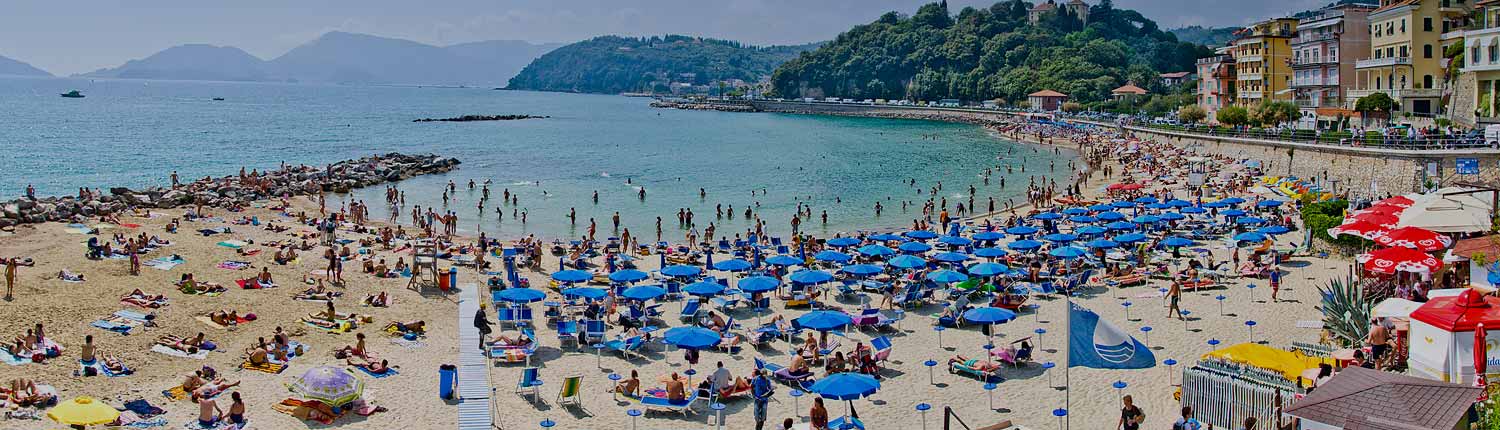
x=983 y=54
x=614 y=64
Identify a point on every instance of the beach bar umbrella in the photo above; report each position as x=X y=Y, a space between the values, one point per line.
x=1101 y=207
x=1082 y=219
x=811 y=277
x=571 y=276
x=988 y=236
x=628 y=275
x=951 y=257
x=590 y=293
x=861 y=269
x=1273 y=230
x=914 y=247
x=876 y=250
x=989 y=252
x=921 y=235
x=758 y=284
x=1178 y=203
x=824 y=320
x=946 y=276
x=1075 y=211
x=691 y=337
x=681 y=271
x=1192 y=210
x=1417 y=238
x=83 y=411
x=832 y=256
x=1365 y=229
x=733 y=265
x=519 y=295
x=704 y=288
x=783 y=260
x=1402 y=259
x=643 y=292
x=843 y=242
x=331 y=385
x=988 y=269
x=907 y=262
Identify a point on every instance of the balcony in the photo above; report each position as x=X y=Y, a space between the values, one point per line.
x=1397 y=94
x=1315 y=37
x=1452 y=7
x=1311 y=62
x=1382 y=62
x=1251 y=94
x=1452 y=35
x=1249 y=58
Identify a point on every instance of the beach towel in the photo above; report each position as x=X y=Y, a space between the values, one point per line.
x=116 y=327
x=254 y=284
x=202 y=354
x=234 y=265
x=138 y=316
x=164 y=263
x=143 y=408
x=388 y=372
x=98 y=366
x=76 y=228
x=268 y=367
x=130 y=225
x=175 y=393
x=11 y=359
x=343 y=326
x=205 y=319
x=408 y=344
x=221 y=425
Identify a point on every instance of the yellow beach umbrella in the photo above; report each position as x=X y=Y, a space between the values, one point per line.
x=83 y=411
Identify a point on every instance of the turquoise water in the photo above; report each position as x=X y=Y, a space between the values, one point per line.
x=134 y=133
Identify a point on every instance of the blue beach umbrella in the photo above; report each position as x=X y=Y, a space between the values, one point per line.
x=1192 y=210
x=832 y=256
x=571 y=276
x=1082 y=219
x=988 y=236
x=1172 y=216
x=843 y=242
x=1158 y=206
x=1178 y=203
x=914 y=247
x=1233 y=200
x=1102 y=244
x=861 y=269
x=1250 y=236
x=1250 y=220
x=876 y=250
x=946 y=276
x=704 y=288
x=1110 y=216
x=1145 y=200
x=824 y=320
x=1021 y=230
x=955 y=241
x=811 y=277
x=1217 y=204
x=590 y=293
x=846 y=386
x=1268 y=203
x=989 y=252
x=988 y=269
x=1047 y=216
x=708 y=259
x=988 y=315
x=758 y=284
x=519 y=295
x=1120 y=225
x=1075 y=211
x=1232 y=213
x=907 y=262
x=1091 y=230
x=1101 y=207
x=681 y=271
x=951 y=257
x=734 y=265
x=885 y=237
x=1067 y=252
x=628 y=275
x=921 y=234
x=1130 y=238
x=1273 y=230
x=643 y=292
x=1025 y=245
x=1122 y=204
x=1176 y=241
x=691 y=337
x=783 y=260
x=1147 y=219
x=1060 y=237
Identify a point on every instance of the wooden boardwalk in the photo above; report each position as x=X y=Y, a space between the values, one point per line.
x=475 y=407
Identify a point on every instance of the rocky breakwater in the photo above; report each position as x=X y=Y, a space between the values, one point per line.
x=471 y=118
x=227 y=191
x=718 y=105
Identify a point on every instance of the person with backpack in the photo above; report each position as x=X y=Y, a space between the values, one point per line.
x=1187 y=422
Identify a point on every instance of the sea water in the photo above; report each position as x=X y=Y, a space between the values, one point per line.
x=134 y=133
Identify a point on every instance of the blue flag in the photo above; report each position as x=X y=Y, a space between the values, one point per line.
x=1098 y=344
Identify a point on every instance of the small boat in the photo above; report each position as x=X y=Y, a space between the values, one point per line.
x=75 y=94
x=218 y=99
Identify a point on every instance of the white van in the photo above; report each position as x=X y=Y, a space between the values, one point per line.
x=1492 y=135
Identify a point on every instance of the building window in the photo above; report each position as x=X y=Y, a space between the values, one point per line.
x=1494 y=53
x=1403 y=25
x=1427 y=24
x=1426 y=81
x=1404 y=52
x=1377 y=82
x=1333 y=54
x=1426 y=51
x=1474 y=55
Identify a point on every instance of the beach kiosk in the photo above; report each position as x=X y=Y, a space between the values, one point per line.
x=1441 y=345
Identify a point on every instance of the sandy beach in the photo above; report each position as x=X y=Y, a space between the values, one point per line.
x=1027 y=398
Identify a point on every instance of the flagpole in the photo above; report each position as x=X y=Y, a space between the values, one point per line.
x=1068 y=352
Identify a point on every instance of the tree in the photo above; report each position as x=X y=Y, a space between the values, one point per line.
x=1191 y=114
x=1379 y=104
x=1274 y=113
x=1072 y=107
x=1233 y=116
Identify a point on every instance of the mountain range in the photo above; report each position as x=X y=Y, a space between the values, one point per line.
x=340 y=57
x=10 y=67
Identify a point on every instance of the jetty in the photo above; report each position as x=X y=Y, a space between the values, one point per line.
x=471 y=118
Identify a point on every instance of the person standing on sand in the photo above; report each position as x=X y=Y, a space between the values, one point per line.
x=761 y=389
x=1174 y=297
x=10 y=274
x=482 y=323
x=1130 y=415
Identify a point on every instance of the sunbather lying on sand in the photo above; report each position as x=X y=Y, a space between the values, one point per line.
x=189 y=285
x=140 y=298
x=982 y=366
x=68 y=275
x=187 y=345
x=23 y=392
x=224 y=317
x=374 y=367
x=212 y=388
x=417 y=326
x=317 y=293
x=377 y=300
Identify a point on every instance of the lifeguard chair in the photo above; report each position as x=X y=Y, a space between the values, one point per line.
x=424 y=264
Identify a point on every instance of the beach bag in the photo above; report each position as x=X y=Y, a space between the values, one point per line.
x=90 y=371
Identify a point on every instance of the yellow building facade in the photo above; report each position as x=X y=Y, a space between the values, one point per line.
x=1262 y=58
x=1406 y=54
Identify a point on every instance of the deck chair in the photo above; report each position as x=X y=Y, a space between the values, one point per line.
x=690 y=310
x=661 y=403
x=572 y=388
x=531 y=380
x=780 y=373
x=593 y=331
x=627 y=347
x=567 y=331
x=882 y=346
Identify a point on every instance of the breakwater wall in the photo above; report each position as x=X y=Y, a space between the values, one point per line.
x=340 y=177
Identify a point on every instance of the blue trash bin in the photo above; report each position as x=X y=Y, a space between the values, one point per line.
x=447 y=381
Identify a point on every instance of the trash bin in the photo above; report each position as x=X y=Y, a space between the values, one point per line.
x=443 y=281
x=452 y=277
x=447 y=381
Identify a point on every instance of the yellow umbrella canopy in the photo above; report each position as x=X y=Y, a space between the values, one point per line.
x=83 y=411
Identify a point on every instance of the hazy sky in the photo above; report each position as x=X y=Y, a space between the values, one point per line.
x=66 y=37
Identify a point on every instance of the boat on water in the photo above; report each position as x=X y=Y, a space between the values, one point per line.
x=75 y=94
x=218 y=99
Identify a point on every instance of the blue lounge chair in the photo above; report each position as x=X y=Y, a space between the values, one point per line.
x=782 y=375
x=594 y=331
x=882 y=346
x=689 y=310
x=627 y=347
x=567 y=331
x=846 y=423
x=531 y=380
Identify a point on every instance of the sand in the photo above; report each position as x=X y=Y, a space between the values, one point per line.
x=1027 y=398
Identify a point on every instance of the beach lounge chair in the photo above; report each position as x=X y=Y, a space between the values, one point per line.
x=971 y=368
x=572 y=388
x=567 y=331
x=847 y=422
x=689 y=310
x=870 y=317
x=661 y=403
x=594 y=331
x=626 y=347
x=882 y=346
x=731 y=343
x=783 y=375
x=725 y=303
x=531 y=380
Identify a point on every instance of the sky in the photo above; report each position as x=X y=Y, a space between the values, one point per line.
x=76 y=36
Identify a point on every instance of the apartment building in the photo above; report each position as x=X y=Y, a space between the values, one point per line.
x=1216 y=87
x=1262 y=56
x=1323 y=56
x=1406 y=53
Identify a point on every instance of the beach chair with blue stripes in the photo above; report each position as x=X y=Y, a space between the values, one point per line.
x=567 y=331
x=531 y=380
x=594 y=331
x=690 y=310
x=626 y=347
x=683 y=406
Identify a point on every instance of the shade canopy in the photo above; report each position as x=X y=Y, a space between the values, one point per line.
x=810 y=277
x=846 y=386
x=832 y=256
x=518 y=295
x=876 y=250
x=331 y=385
x=571 y=276
x=757 y=284
x=590 y=293
x=733 y=265
x=691 y=337
x=643 y=292
x=682 y=270
x=824 y=320
x=83 y=411
x=989 y=315
x=628 y=275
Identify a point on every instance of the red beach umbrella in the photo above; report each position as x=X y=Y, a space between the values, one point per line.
x=1399 y=259
x=1417 y=238
x=1480 y=363
x=1383 y=210
x=1397 y=201
x=1363 y=229
x=1389 y=221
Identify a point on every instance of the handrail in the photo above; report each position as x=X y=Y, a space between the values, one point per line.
x=948 y=413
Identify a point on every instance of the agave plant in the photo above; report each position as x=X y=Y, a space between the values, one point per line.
x=1346 y=311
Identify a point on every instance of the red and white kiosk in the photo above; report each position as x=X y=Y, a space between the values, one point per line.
x=1441 y=342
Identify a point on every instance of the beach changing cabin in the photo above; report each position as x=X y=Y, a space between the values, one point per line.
x=1360 y=398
